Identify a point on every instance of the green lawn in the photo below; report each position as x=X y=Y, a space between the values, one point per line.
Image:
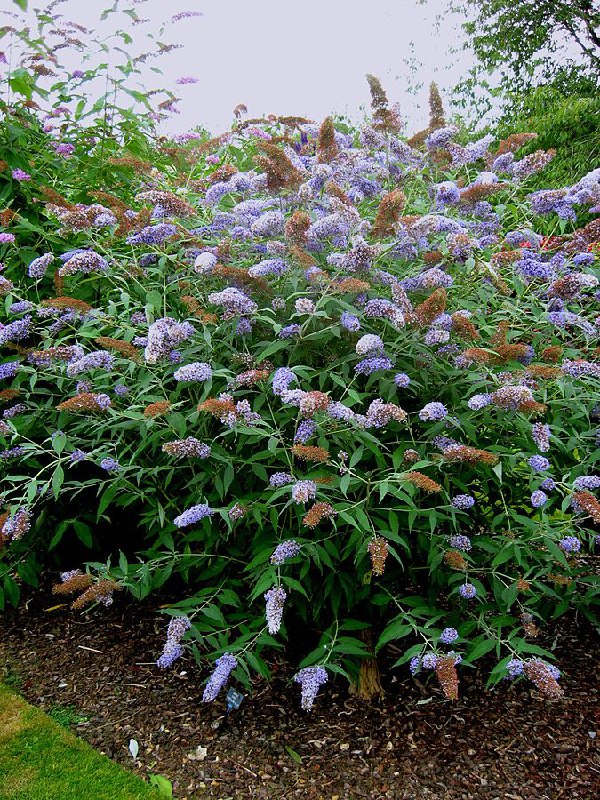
x=40 y=760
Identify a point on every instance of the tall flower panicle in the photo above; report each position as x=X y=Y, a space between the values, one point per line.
x=349 y=321
x=38 y=267
x=17 y=525
x=586 y=483
x=85 y=261
x=369 y=343
x=110 y=465
x=570 y=544
x=303 y=491
x=448 y=635
x=275 y=600
x=305 y=431
x=198 y=372
x=538 y=463
x=285 y=550
x=173 y=649
x=163 y=336
x=190 y=447
x=98 y=359
x=373 y=364
x=538 y=499
x=193 y=515
x=540 y=433
x=223 y=669
x=433 y=411
x=310 y=679
x=463 y=501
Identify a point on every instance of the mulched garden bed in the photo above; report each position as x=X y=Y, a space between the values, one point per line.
x=506 y=743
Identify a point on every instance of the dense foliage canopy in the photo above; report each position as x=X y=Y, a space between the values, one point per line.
x=320 y=380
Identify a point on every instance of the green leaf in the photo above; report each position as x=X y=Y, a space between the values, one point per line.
x=395 y=630
x=293 y=754
x=57 y=480
x=481 y=648
x=58 y=442
x=11 y=590
x=164 y=785
x=83 y=533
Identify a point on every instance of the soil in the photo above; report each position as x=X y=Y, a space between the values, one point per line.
x=411 y=745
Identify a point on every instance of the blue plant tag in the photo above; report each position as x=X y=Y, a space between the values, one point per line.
x=234 y=699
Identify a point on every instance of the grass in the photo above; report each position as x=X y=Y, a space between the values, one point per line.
x=39 y=759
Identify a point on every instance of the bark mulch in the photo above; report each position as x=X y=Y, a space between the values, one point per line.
x=508 y=743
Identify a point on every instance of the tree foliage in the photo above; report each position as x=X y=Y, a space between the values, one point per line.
x=528 y=42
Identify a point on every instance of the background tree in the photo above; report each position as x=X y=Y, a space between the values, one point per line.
x=538 y=63
x=529 y=42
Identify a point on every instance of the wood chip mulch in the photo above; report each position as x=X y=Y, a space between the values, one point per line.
x=505 y=744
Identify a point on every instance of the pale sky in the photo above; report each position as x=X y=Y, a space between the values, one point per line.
x=305 y=58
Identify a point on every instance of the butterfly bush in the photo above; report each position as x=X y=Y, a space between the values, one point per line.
x=346 y=384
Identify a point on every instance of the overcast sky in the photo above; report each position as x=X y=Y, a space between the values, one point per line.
x=305 y=58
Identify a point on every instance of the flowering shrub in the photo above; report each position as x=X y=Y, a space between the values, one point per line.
x=310 y=381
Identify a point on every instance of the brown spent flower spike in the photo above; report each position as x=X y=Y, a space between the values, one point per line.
x=250 y=377
x=410 y=456
x=389 y=211
x=437 y=118
x=221 y=409
x=222 y=173
x=553 y=354
x=348 y=286
x=304 y=259
x=318 y=512
x=588 y=503
x=122 y=347
x=194 y=308
x=6 y=395
x=544 y=371
x=384 y=119
x=327 y=148
x=308 y=453
x=422 y=482
x=445 y=669
x=462 y=326
x=281 y=173
x=378 y=550
x=77 y=583
x=474 y=194
x=157 y=409
x=313 y=402
x=539 y=674
x=433 y=257
x=529 y=626
x=296 y=227
x=455 y=559
x=98 y=591
x=67 y=302
x=431 y=308
x=513 y=143
x=239 y=277
x=332 y=188
x=86 y=401
x=469 y=455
